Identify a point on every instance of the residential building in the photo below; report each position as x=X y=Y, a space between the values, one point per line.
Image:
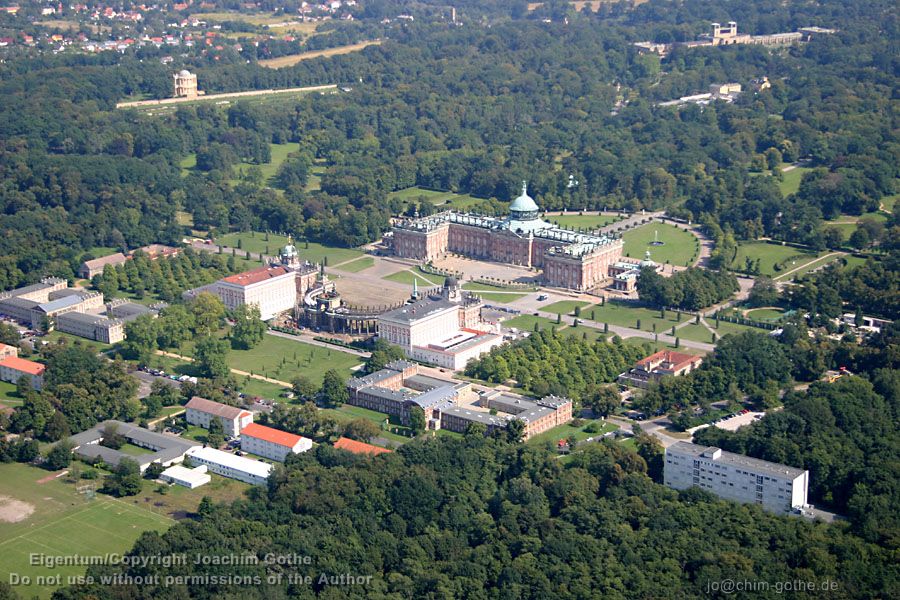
x=272 y=443
x=92 y=327
x=357 y=447
x=89 y=268
x=200 y=411
x=658 y=365
x=444 y=328
x=13 y=368
x=189 y=478
x=6 y=351
x=254 y=472
x=569 y=259
x=775 y=487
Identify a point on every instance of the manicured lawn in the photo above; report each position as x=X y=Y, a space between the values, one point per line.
x=346 y=413
x=315 y=176
x=360 y=264
x=422 y=279
x=527 y=322
x=565 y=307
x=132 y=450
x=625 y=315
x=257 y=387
x=695 y=333
x=650 y=346
x=65 y=523
x=854 y=261
x=188 y=164
x=8 y=395
x=791 y=182
x=443 y=199
x=193 y=432
x=771 y=254
x=888 y=202
x=500 y=296
x=589 y=222
x=476 y=286
x=726 y=328
x=256 y=242
x=678 y=245
x=283 y=359
x=765 y=314
x=562 y=432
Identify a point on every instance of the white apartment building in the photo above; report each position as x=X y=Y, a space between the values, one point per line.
x=254 y=472
x=272 y=443
x=775 y=487
x=200 y=411
x=13 y=368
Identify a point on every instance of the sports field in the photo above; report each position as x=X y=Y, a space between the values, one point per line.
x=770 y=255
x=53 y=519
x=678 y=245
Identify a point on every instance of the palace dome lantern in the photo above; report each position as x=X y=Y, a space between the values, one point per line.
x=523 y=208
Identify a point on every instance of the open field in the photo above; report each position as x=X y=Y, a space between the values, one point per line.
x=562 y=432
x=650 y=346
x=293 y=59
x=446 y=200
x=626 y=315
x=8 y=395
x=54 y=519
x=315 y=176
x=527 y=323
x=677 y=249
x=279 y=155
x=347 y=413
x=421 y=278
x=578 y=5
x=501 y=297
x=771 y=254
x=283 y=359
x=765 y=314
x=888 y=202
x=791 y=182
x=694 y=333
x=565 y=307
x=360 y=264
x=256 y=242
x=589 y=222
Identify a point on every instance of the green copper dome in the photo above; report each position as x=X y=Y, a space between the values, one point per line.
x=524 y=205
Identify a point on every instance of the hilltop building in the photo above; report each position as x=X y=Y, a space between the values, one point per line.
x=727 y=35
x=275 y=288
x=664 y=363
x=775 y=487
x=443 y=328
x=569 y=259
x=452 y=405
x=185 y=84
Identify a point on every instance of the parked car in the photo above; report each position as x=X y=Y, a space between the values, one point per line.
x=542 y=297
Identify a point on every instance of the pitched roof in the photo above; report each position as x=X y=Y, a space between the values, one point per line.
x=358 y=447
x=269 y=434
x=255 y=276
x=113 y=259
x=676 y=359
x=216 y=409
x=23 y=365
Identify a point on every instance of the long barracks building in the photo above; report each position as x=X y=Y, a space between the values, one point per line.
x=569 y=259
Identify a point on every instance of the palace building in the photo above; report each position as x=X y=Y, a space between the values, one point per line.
x=569 y=259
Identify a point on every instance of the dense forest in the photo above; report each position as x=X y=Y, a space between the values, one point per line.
x=480 y=518
x=472 y=109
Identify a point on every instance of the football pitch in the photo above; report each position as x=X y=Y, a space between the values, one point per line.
x=51 y=519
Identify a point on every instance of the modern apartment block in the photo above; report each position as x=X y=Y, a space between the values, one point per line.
x=775 y=487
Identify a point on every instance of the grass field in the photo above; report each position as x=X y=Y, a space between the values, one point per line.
x=590 y=222
x=650 y=346
x=565 y=307
x=279 y=152
x=293 y=59
x=726 y=328
x=771 y=254
x=527 y=323
x=888 y=202
x=627 y=316
x=765 y=314
x=695 y=333
x=276 y=24
x=790 y=184
x=421 y=278
x=8 y=395
x=63 y=523
x=443 y=199
x=347 y=413
x=299 y=359
x=562 y=432
x=256 y=242
x=677 y=249
x=360 y=264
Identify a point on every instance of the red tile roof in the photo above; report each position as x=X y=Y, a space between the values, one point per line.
x=23 y=365
x=676 y=359
x=256 y=275
x=268 y=434
x=358 y=447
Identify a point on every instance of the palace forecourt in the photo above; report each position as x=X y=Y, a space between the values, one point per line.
x=569 y=259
